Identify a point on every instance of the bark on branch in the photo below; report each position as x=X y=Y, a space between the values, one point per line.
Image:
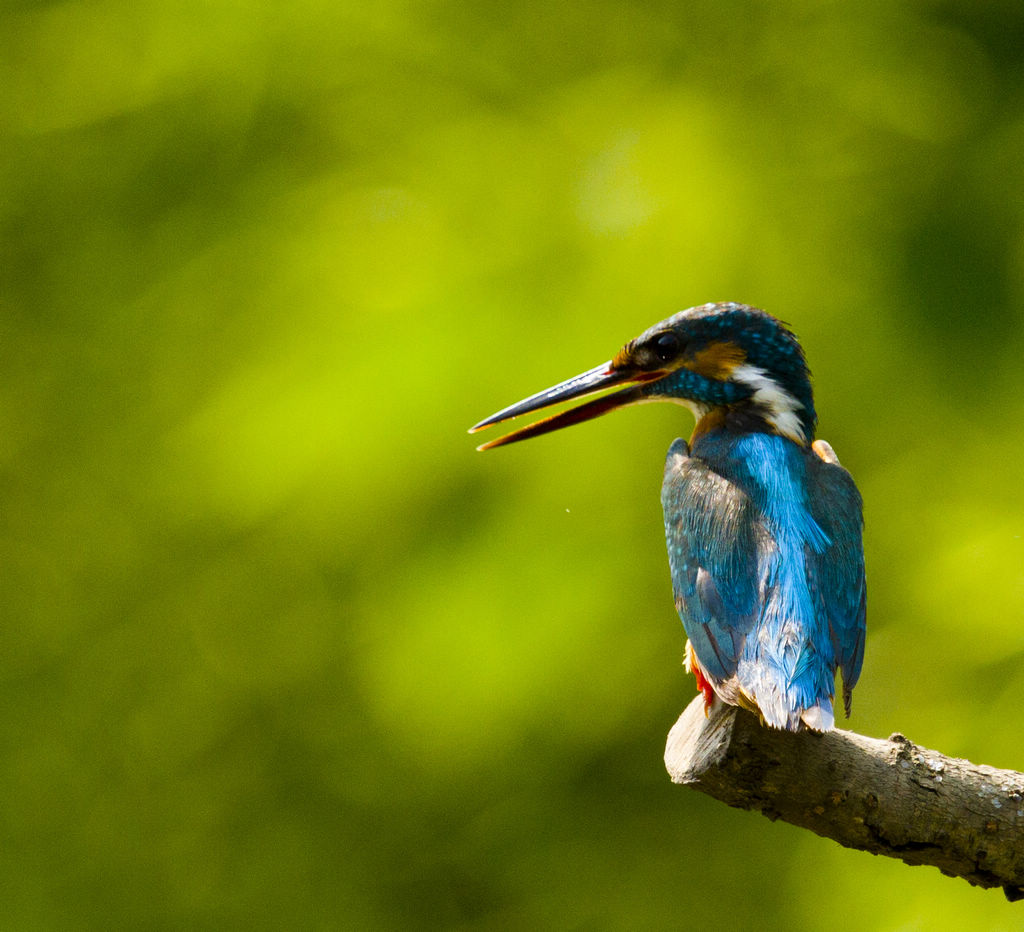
x=888 y=797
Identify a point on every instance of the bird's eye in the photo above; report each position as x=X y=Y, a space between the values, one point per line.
x=665 y=346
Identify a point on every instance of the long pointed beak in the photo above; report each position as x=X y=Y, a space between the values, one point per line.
x=594 y=380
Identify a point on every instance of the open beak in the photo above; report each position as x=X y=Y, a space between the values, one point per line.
x=595 y=380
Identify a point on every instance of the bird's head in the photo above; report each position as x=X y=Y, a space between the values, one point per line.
x=718 y=359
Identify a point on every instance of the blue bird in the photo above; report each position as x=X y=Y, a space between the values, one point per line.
x=763 y=524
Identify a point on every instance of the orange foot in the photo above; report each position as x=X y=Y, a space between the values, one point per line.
x=705 y=687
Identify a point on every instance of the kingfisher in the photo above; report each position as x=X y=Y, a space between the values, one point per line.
x=763 y=525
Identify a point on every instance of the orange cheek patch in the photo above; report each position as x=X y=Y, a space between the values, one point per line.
x=717 y=361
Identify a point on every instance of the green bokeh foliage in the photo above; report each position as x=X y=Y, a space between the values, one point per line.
x=278 y=649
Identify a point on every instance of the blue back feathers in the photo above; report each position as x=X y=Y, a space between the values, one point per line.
x=764 y=546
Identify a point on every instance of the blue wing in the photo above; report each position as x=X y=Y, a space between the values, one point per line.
x=711 y=529
x=721 y=550
x=839 y=570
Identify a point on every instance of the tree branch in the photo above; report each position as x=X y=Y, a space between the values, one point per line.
x=887 y=797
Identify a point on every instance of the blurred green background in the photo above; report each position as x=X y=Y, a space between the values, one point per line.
x=279 y=650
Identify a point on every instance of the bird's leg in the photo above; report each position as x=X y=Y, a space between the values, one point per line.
x=706 y=689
